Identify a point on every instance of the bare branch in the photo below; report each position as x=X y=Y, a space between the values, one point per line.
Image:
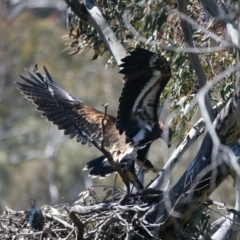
x=196 y=184
x=194 y=59
x=183 y=146
x=229 y=229
x=111 y=161
x=223 y=18
x=89 y=12
x=191 y=137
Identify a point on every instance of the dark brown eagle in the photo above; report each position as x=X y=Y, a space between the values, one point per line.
x=130 y=135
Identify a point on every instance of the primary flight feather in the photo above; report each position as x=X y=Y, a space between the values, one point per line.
x=129 y=136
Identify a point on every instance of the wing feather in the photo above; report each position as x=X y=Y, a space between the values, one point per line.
x=67 y=112
x=146 y=75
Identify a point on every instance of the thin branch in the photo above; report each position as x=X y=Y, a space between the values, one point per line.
x=230 y=228
x=223 y=18
x=89 y=12
x=65 y=224
x=111 y=161
x=194 y=59
x=148 y=42
x=183 y=146
x=191 y=137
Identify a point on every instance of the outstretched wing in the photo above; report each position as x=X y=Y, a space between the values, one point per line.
x=67 y=112
x=146 y=75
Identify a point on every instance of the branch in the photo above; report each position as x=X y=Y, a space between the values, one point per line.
x=229 y=229
x=77 y=222
x=113 y=164
x=193 y=57
x=183 y=146
x=209 y=168
x=89 y=12
x=201 y=178
x=191 y=137
x=224 y=19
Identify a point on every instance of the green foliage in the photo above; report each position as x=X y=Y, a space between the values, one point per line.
x=159 y=25
x=200 y=224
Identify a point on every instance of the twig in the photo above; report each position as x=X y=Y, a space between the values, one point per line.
x=145 y=228
x=193 y=57
x=223 y=18
x=68 y=236
x=126 y=225
x=65 y=224
x=109 y=219
x=113 y=164
x=93 y=195
x=89 y=12
x=78 y=224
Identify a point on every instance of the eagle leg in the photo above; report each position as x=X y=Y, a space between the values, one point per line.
x=131 y=176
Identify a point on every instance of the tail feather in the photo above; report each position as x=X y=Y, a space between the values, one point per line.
x=99 y=167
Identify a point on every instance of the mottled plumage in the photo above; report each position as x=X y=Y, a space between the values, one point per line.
x=146 y=75
x=129 y=136
x=72 y=115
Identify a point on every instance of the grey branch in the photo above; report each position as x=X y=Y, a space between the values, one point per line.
x=223 y=18
x=210 y=167
x=183 y=146
x=178 y=153
x=229 y=228
x=90 y=13
x=194 y=59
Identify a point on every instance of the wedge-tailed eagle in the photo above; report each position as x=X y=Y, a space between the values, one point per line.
x=130 y=134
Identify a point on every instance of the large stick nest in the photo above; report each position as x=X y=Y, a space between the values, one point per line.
x=100 y=220
x=96 y=218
